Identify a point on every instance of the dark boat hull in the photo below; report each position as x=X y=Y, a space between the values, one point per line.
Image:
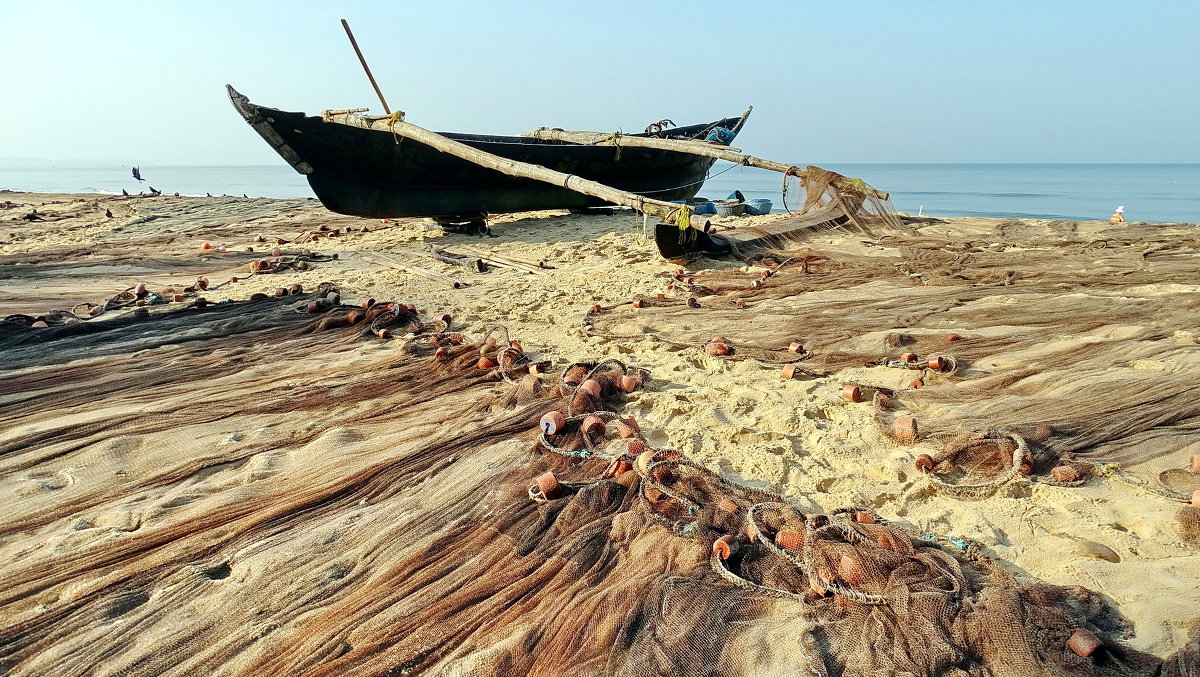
x=364 y=172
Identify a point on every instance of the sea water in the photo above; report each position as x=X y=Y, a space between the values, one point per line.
x=1149 y=192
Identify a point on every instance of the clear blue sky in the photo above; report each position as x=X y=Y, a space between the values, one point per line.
x=830 y=82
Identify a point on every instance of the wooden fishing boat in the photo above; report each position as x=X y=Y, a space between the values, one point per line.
x=365 y=172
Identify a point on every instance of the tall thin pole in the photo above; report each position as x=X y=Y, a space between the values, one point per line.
x=354 y=43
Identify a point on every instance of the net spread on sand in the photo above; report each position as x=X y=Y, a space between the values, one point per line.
x=409 y=525
x=1022 y=354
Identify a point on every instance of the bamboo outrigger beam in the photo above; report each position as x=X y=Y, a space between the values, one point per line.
x=693 y=147
x=667 y=211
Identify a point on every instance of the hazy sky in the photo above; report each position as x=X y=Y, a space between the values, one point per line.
x=830 y=82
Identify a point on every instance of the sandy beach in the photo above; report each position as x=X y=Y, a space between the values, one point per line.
x=130 y=504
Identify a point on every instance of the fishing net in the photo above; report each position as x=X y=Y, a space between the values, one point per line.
x=269 y=487
x=1057 y=351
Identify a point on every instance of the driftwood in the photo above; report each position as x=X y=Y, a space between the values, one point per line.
x=702 y=148
x=533 y=266
x=471 y=263
x=667 y=211
x=409 y=268
x=493 y=260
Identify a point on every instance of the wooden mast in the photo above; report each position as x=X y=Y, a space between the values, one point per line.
x=363 y=61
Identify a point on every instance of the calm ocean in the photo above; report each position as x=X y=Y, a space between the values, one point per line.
x=1149 y=192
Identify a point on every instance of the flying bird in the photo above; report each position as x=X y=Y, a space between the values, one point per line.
x=137 y=173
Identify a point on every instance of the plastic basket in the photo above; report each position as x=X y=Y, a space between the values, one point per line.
x=703 y=208
x=730 y=208
x=758 y=207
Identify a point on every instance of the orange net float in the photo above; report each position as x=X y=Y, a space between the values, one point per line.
x=627 y=428
x=925 y=463
x=850 y=569
x=937 y=362
x=545 y=488
x=1196 y=498
x=530 y=383
x=796 y=347
x=639 y=302
x=1064 y=473
x=905 y=429
x=294 y=289
x=591 y=387
x=852 y=393
x=552 y=422
x=788 y=372
x=917 y=383
x=575 y=375
x=694 y=302
x=727 y=504
x=593 y=425
x=717 y=347
x=487 y=362
x=618 y=467
x=596 y=309
x=863 y=517
x=789 y=540
x=1083 y=643
x=628 y=383
x=1194 y=463
x=368 y=303
x=908 y=358
x=355 y=316
x=739 y=304
x=635 y=448
x=724 y=546
x=441 y=355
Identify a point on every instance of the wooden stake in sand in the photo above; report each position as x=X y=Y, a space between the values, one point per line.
x=667 y=211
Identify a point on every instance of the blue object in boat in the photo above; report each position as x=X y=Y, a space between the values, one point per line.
x=703 y=208
x=720 y=135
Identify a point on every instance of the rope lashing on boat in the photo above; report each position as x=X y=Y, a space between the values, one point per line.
x=683 y=217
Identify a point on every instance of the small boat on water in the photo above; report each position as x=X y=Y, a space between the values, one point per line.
x=365 y=172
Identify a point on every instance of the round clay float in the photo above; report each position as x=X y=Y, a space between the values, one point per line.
x=548 y=485
x=552 y=422
x=592 y=425
x=591 y=387
x=925 y=463
x=723 y=547
x=852 y=393
x=1083 y=643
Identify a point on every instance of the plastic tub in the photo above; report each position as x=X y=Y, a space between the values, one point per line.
x=758 y=207
x=730 y=208
x=703 y=208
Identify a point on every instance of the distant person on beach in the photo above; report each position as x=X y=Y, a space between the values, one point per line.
x=1118 y=216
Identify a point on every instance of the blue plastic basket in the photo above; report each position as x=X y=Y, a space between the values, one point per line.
x=703 y=208
x=730 y=208
x=758 y=207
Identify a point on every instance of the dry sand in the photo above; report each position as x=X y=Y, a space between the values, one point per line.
x=794 y=436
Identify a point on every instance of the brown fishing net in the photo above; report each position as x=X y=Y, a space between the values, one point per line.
x=1060 y=350
x=252 y=488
